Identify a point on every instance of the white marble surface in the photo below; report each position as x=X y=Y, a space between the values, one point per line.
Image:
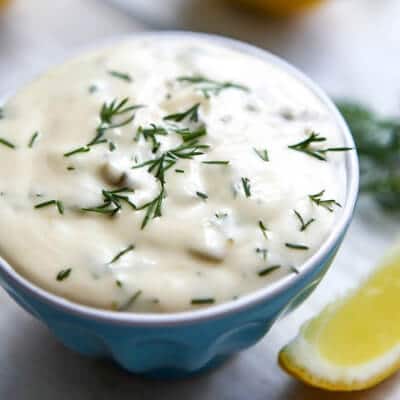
x=351 y=47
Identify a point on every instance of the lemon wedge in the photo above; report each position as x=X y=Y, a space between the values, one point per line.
x=354 y=343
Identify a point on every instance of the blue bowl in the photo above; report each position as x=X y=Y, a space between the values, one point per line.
x=179 y=344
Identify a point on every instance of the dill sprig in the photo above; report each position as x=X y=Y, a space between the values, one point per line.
x=63 y=274
x=202 y=195
x=217 y=162
x=263 y=228
x=263 y=154
x=120 y=75
x=153 y=208
x=246 y=186
x=107 y=114
x=121 y=253
x=33 y=139
x=7 y=143
x=328 y=204
x=303 y=225
x=192 y=114
x=112 y=201
x=295 y=246
x=263 y=252
x=206 y=300
x=306 y=146
x=57 y=203
x=150 y=135
x=210 y=87
x=268 y=270
x=130 y=301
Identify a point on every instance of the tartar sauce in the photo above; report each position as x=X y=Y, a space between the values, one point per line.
x=161 y=175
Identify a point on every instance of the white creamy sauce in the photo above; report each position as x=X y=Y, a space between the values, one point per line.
x=225 y=229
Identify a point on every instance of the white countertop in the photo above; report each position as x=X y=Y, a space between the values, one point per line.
x=350 y=47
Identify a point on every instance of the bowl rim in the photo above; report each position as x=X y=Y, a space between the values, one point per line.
x=248 y=300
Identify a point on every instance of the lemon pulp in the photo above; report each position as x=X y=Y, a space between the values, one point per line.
x=365 y=325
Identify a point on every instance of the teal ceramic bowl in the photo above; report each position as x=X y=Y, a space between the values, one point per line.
x=180 y=344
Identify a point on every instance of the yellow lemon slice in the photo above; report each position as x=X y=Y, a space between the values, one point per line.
x=280 y=7
x=354 y=343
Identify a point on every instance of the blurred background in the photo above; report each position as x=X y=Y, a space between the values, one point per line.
x=349 y=47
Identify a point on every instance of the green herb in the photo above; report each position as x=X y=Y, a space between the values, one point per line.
x=296 y=246
x=303 y=225
x=188 y=135
x=263 y=252
x=192 y=114
x=221 y=215
x=83 y=149
x=327 y=204
x=57 y=203
x=63 y=274
x=153 y=208
x=263 y=228
x=111 y=146
x=294 y=270
x=93 y=88
x=378 y=145
x=216 y=162
x=121 y=253
x=70 y=168
x=263 y=154
x=179 y=171
x=7 y=143
x=130 y=301
x=120 y=75
x=118 y=283
x=112 y=201
x=150 y=134
x=202 y=195
x=206 y=300
x=210 y=87
x=33 y=139
x=306 y=146
x=268 y=270
x=108 y=112
x=246 y=186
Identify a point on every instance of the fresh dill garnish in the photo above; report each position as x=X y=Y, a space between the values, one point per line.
x=206 y=300
x=57 y=203
x=294 y=270
x=158 y=166
x=118 y=283
x=192 y=114
x=263 y=252
x=93 y=88
x=33 y=139
x=263 y=154
x=111 y=146
x=210 y=87
x=121 y=253
x=108 y=112
x=263 y=228
x=188 y=135
x=63 y=274
x=153 y=208
x=303 y=225
x=268 y=270
x=7 y=143
x=295 y=246
x=70 y=168
x=130 y=301
x=328 y=204
x=246 y=186
x=179 y=171
x=202 y=195
x=221 y=215
x=150 y=134
x=215 y=162
x=120 y=75
x=305 y=146
x=112 y=201
x=83 y=149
